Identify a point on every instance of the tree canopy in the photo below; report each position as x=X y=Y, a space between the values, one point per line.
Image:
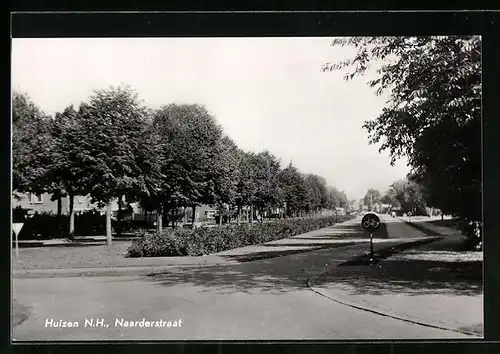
x=112 y=146
x=433 y=113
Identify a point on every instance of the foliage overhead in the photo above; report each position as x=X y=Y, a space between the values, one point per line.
x=433 y=113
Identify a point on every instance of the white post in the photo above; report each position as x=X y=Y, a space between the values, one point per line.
x=17 y=245
x=16 y=227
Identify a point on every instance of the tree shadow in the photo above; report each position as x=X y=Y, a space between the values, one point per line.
x=409 y=277
x=418 y=225
x=383 y=253
x=278 y=271
x=305 y=247
x=256 y=277
x=275 y=271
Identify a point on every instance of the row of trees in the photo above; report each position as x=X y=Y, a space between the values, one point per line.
x=433 y=113
x=407 y=195
x=115 y=148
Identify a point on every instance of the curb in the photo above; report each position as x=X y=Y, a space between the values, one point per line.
x=310 y=283
x=109 y=271
x=311 y=286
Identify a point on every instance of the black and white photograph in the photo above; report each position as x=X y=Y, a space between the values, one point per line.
x=246 y=188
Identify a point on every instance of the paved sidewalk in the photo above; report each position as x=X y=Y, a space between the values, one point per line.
x=438 y=292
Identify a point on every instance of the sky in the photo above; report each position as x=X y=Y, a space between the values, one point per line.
x=266 y=93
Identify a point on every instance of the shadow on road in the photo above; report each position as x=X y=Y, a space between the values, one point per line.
x=276 y=270
x=284 y=272
x=305 y=247
x=418 y=225
x=318 y=241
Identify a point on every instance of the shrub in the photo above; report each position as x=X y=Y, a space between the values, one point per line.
x=472 y=232
x=43 y=226
x=46 y=225
x=202 y=241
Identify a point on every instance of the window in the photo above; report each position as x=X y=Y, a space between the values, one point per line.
x=36 y=198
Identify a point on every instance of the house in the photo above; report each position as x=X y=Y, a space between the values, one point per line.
x=42 y=203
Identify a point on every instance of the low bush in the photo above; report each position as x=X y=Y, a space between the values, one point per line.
x=43 y=226
x=202 y=241
x=472 y=233
x=46 y=225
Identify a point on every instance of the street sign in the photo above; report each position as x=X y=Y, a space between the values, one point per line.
x=16 y=227
x=370 y=222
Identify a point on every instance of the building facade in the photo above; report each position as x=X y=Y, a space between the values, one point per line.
x=43 y=203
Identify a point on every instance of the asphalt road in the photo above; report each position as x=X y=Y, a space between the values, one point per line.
x=260 y=300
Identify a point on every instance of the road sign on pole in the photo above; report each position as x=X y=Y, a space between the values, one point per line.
x=370 y=222
x=16 y=227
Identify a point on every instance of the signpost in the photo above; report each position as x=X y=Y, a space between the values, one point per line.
x=371 y=223
x=16 y=227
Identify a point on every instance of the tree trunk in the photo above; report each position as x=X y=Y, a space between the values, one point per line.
x=71 y=216
x=251 y=214
x=166 y=215
x=173 y=212
x=221 y=213
x=238 y=215
x=59 y=207
x=59 y=215
x=108 y=224
x=193 y=217
x=159 y=219
x=119 y=217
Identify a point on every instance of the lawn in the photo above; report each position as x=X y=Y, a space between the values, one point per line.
x=76 y=257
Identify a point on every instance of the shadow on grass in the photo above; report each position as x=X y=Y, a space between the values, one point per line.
x=452 y=223
x=409 y=277
x=384 y=253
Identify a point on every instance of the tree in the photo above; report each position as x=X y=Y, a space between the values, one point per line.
x=390 y=198
x=67 y=167
x=317 y=192
x=433 y=115
x=409 y=195
x=245 y=181
x=294 y=190
x=372 y=197
x=224 y=174
x=112 y=127
x=30 y=145
x=266 y=174
x=194 y=166
x=336 y=198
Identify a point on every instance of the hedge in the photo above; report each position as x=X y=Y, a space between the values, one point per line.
x=202 y=241
x=45 y=225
